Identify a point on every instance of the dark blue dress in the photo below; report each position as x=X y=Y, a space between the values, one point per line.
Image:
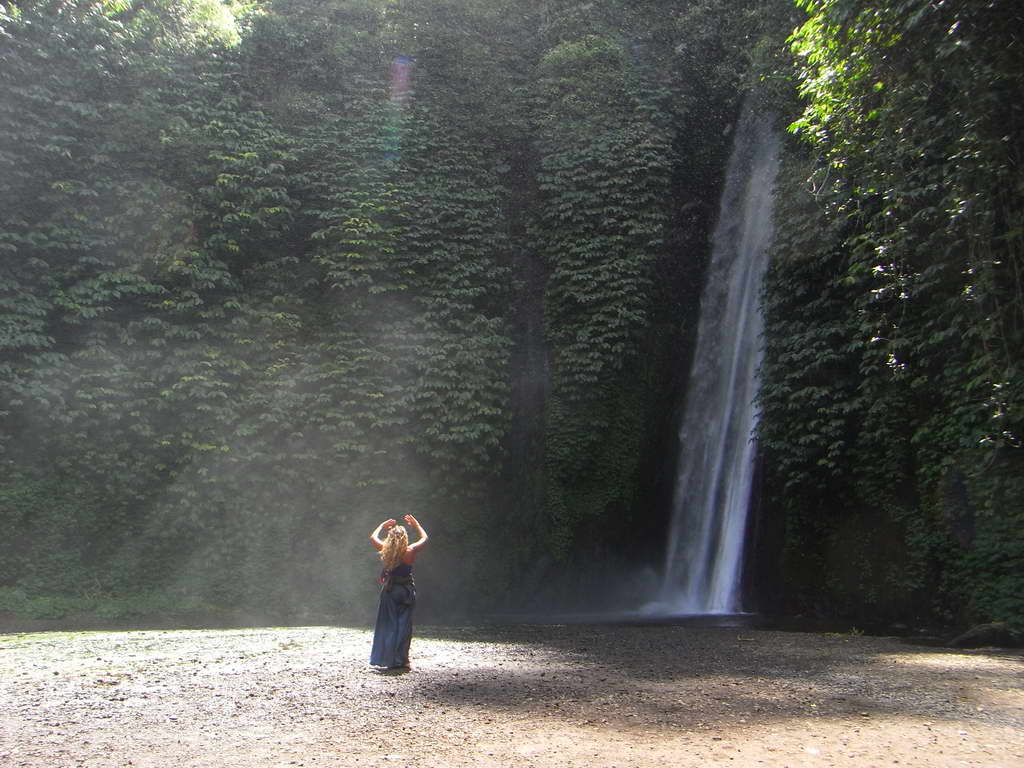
x=393 y=631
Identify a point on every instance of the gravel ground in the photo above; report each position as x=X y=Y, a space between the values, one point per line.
x=520 y=695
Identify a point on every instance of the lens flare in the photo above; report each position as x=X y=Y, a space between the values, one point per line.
x=399 y=92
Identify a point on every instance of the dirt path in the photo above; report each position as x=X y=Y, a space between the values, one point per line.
x=544 y=696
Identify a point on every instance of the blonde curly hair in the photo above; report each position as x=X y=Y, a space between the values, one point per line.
x=394 y=547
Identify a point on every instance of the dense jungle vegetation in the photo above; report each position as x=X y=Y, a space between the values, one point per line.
x=273 y=271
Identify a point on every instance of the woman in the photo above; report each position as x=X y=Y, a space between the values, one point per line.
x=393 y=631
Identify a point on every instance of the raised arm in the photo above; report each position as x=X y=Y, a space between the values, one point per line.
x=413 y=523
x=375 y=539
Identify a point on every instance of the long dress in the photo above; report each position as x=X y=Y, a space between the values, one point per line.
x=393 y=630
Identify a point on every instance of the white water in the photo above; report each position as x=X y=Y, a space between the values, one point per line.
x=705 y=549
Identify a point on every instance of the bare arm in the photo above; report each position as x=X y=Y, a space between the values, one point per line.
x=375 y=539
x=412 y=522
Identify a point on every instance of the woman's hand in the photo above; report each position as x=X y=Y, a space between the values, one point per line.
x=415 y=525
x=375 y=536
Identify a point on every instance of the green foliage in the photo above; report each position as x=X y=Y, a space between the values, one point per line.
x=95 y=604
x=268 y=277
x=615 y=144
x=259 y=301
x=269 y=264
x=898 y=293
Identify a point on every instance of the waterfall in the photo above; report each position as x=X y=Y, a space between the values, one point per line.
x=705 y=549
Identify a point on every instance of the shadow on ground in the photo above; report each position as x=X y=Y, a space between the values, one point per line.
x=630 y=673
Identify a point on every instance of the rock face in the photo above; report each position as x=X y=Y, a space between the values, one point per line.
x=998 y=634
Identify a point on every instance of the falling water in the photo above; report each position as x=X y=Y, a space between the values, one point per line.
x=713 y=484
